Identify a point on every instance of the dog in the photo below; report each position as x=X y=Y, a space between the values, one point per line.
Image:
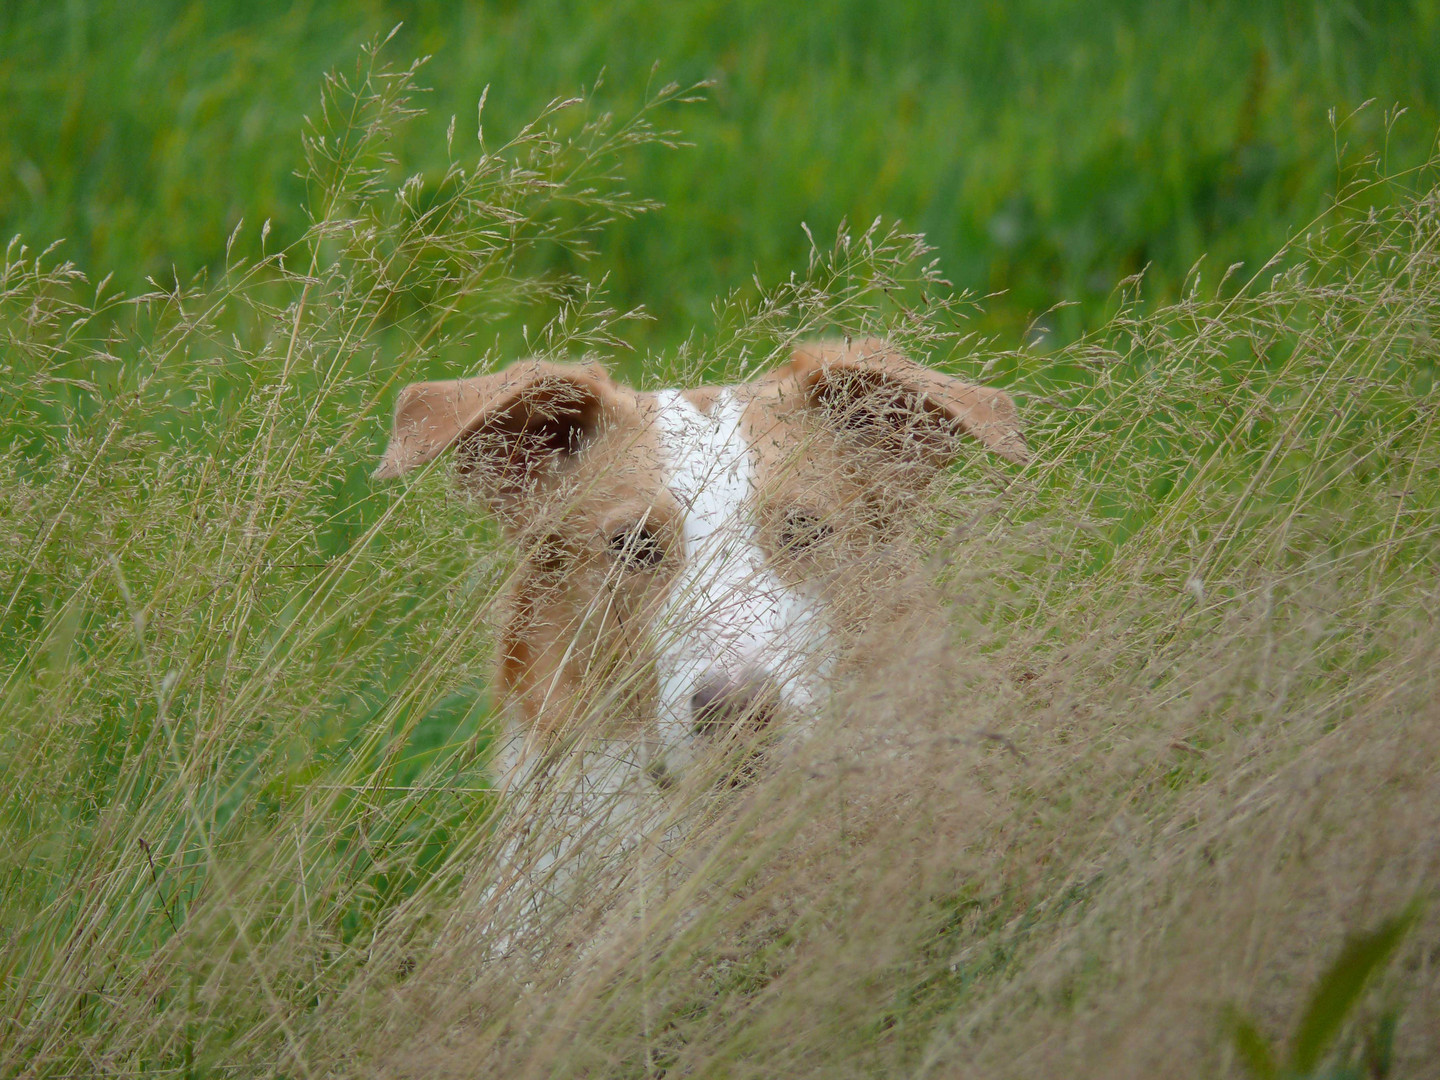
x=691 y=564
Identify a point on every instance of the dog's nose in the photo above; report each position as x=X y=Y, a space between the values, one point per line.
x=724 y=701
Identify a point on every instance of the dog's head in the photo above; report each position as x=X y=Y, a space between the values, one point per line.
x=692 y=562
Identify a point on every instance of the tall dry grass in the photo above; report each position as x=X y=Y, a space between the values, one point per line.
x=1168 y=739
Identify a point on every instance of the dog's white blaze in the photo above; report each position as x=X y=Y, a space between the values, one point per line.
x=727 y=609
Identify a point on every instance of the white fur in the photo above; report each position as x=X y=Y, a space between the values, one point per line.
x=727 y=610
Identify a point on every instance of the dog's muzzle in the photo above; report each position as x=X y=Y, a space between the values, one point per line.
x=728 y=703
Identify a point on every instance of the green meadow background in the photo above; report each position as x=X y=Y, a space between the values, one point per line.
x=1047 y=149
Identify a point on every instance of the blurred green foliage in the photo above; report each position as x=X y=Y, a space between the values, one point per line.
x=1047 y=149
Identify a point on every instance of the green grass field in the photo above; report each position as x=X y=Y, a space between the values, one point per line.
x=1046 y=149
x=1174 y=754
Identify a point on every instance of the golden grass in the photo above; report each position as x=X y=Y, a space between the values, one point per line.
x=1172 y=740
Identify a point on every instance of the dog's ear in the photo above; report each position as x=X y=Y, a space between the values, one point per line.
x=867 y=389
x=506 y=427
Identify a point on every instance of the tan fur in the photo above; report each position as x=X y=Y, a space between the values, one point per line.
x=703 y=397
x=845 y=438
x=555 y=638
x=981 y=412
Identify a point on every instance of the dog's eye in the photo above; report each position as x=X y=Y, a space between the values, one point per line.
x=802 y=530
x=637 y=548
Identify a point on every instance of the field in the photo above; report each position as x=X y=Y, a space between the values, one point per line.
x=1158 y=796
